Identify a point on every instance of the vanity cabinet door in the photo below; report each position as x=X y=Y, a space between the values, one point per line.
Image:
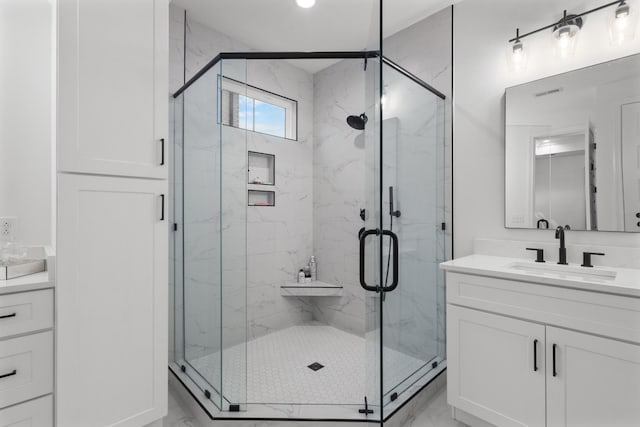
x=492 y=373
x=111 y=288
x=596 y=381
x=113 y=87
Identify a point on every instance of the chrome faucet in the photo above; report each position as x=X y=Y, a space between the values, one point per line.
x=563 y=250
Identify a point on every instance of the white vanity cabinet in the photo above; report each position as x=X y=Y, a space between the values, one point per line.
x=522 y=353
x=597 y=381
x=491 y=368
x=26 y=353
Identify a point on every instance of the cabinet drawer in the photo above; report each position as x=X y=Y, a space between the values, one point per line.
x=609 y=315
x=26 y=312
x=36 y=413
x=26 y=368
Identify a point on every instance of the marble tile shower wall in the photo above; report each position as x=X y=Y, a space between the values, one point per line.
x=339 y=192
x=278 y=239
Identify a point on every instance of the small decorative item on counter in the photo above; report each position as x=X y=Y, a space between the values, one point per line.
x=15 y=263
x=301 y=277
x=12 y=253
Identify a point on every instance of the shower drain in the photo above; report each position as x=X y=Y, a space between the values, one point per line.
x=315 y=366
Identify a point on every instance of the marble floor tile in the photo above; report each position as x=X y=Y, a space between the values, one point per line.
x=179 y=414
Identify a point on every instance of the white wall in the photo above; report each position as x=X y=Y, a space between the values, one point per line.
x=25 y=118
x=481 y=31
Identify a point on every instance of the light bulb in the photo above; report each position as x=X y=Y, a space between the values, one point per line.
x=622 y=24
x=517 y=57
x=306 y=4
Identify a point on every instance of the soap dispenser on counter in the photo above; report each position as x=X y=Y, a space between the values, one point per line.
x=313 y=268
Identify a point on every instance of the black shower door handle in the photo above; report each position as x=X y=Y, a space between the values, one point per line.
x=394 y=241
x=363 y=240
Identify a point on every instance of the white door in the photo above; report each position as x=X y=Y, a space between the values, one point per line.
x=596 y=381
x=631 y=165
x=492 y=371
x=113 y=87
x=111 y=289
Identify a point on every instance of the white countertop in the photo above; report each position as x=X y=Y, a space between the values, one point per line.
x=31 y=282
x=626 y=282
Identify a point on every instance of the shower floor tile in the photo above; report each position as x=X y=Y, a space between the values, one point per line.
x=278 y=367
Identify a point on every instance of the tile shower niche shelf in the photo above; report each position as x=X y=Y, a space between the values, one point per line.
x=261 y=198
x=313 y=289
x=262 y=168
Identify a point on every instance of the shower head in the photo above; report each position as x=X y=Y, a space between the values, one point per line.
x=357 y=122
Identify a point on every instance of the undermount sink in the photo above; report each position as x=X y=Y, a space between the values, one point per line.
x=564 y=270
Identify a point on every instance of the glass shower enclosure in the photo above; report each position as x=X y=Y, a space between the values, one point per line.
x=393 y=252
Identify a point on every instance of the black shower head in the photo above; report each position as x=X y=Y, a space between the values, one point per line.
x=357 y=122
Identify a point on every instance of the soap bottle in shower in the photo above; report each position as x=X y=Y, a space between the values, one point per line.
x=301 y=276
x=313 y=267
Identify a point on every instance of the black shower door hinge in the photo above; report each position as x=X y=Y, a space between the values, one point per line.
x=366 y=409
x=443 y=226
x=175 y=226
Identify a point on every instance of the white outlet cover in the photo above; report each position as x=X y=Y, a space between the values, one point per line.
x=7 y=228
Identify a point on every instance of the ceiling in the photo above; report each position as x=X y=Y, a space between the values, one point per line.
x=331 y=25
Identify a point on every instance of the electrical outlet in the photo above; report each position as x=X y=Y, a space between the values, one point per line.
x=7 y=228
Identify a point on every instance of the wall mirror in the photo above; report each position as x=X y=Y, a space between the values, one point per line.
x=572 y=150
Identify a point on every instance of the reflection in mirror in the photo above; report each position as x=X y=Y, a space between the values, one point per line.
x=572 y=150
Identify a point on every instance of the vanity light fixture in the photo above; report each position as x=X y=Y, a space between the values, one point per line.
x=621 y=29
x=306 y=4
x=565 y=33
x=517 y=55
x=622 y=24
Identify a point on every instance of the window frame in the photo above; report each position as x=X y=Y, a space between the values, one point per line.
x=255 y=93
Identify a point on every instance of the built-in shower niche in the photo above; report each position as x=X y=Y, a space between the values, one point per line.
x=261 y=198
x=262 y=168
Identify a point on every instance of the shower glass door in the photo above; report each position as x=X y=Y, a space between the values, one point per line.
x=412 y=192
x=210 y=244
x=371 y=243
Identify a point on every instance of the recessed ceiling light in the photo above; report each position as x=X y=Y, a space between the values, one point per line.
x=306 y=3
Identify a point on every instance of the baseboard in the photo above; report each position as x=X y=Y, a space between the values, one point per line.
x=468 y=419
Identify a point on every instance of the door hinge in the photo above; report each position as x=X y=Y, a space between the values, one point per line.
x=234 y=407
x=443 y=226
x=175 y=226
x=366 y=409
